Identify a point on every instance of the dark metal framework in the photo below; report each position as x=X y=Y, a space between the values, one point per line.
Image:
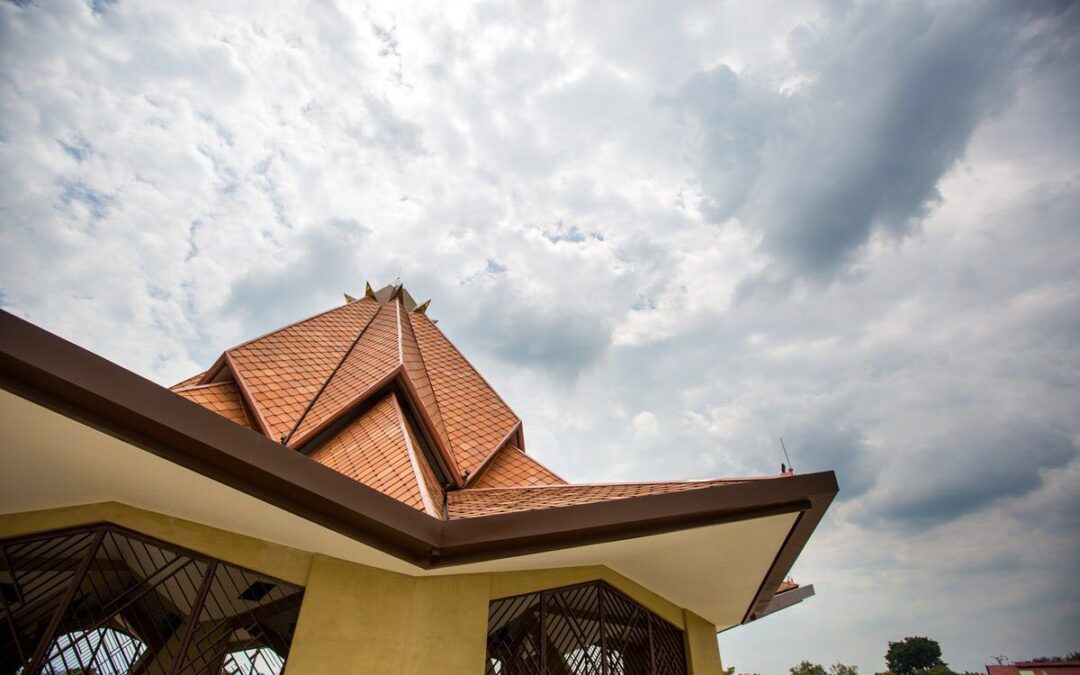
x=104 y=599
x=585 y=629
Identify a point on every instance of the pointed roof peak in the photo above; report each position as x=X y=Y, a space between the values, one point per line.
x=389 y=293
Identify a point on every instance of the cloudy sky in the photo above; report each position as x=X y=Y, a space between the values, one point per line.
x=668 y=234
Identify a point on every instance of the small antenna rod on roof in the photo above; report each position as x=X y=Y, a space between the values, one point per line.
x=784 y=447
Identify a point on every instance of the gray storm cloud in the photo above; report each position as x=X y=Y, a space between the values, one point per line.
x=667 y=233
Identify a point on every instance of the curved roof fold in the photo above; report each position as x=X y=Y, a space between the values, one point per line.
x=302 y=382
x=368 y=421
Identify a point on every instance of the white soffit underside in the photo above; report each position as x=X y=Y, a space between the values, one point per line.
x=50 y=461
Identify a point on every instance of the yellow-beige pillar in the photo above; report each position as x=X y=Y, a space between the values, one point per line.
x=702 y=650
x=358 y=619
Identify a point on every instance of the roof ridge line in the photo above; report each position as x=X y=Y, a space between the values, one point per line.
x=400 y=343
x=329 y=377
x=190 y=387
x=473 y=368
x=487 y=461
x=434 y=395
x=447 y=454
x=414 y=461
x=372 y=392
x=245 y=394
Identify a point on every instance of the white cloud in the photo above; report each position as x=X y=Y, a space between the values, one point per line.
x=587 y=194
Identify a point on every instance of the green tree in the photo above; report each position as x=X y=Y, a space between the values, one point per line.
x=913 y=654
x=807 y=668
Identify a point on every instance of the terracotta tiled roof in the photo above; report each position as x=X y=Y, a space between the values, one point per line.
x=222 y=397
x=513 y=468
x=786 y=585
x=419 y=381
x=374 y=450
x=302 y=377
x=374 y=390
x=371 y=359
x=472 y=502
x=284 y=370
x=477 y=420
x=427 y=481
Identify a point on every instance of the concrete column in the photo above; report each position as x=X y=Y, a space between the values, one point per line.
x=358 y=619
x=702 y=650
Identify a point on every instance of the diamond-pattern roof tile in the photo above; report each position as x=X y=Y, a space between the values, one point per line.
x=513 y=468
x=221 y=397
x=477 y=420
x=473 y=502
x=374 y=356
x=282 y=371
x=417 y=374
x=372 y=449
x=300 y=379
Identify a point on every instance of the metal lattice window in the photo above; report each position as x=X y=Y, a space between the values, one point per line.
x=105 y=600
x=587 y=629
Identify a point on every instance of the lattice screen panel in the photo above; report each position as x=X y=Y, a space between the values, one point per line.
x=106 y=600
x=587 y=629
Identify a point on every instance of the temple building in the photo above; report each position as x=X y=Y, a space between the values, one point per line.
x=347 y=494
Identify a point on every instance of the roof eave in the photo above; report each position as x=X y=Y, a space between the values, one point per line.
x=511 y=534
x=52 y=372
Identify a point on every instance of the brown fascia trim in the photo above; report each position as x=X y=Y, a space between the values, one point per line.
x=779 y=602
x=787 y=599
x=796 y=540
x=52 y=372
x=511 y=534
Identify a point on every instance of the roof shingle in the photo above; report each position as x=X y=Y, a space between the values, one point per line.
x=513 y=468
x=301 y=380
x=474 y=502
x=221 y=397
x=372 y=450
x=372 y=358
x=284 y=370
x=477 y=420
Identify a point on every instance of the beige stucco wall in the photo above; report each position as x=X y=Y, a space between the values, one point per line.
x=359 y=619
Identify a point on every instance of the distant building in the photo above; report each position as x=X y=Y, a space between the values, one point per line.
x=348 y=495
x=1035 y=668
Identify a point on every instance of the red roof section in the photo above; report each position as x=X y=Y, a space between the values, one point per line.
x=374 y=449
x=375 y=391
x=478 y=422
x=473 y=502
x=222 y=397
x=282 y=371
x=372 y=358
x=513 y=468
